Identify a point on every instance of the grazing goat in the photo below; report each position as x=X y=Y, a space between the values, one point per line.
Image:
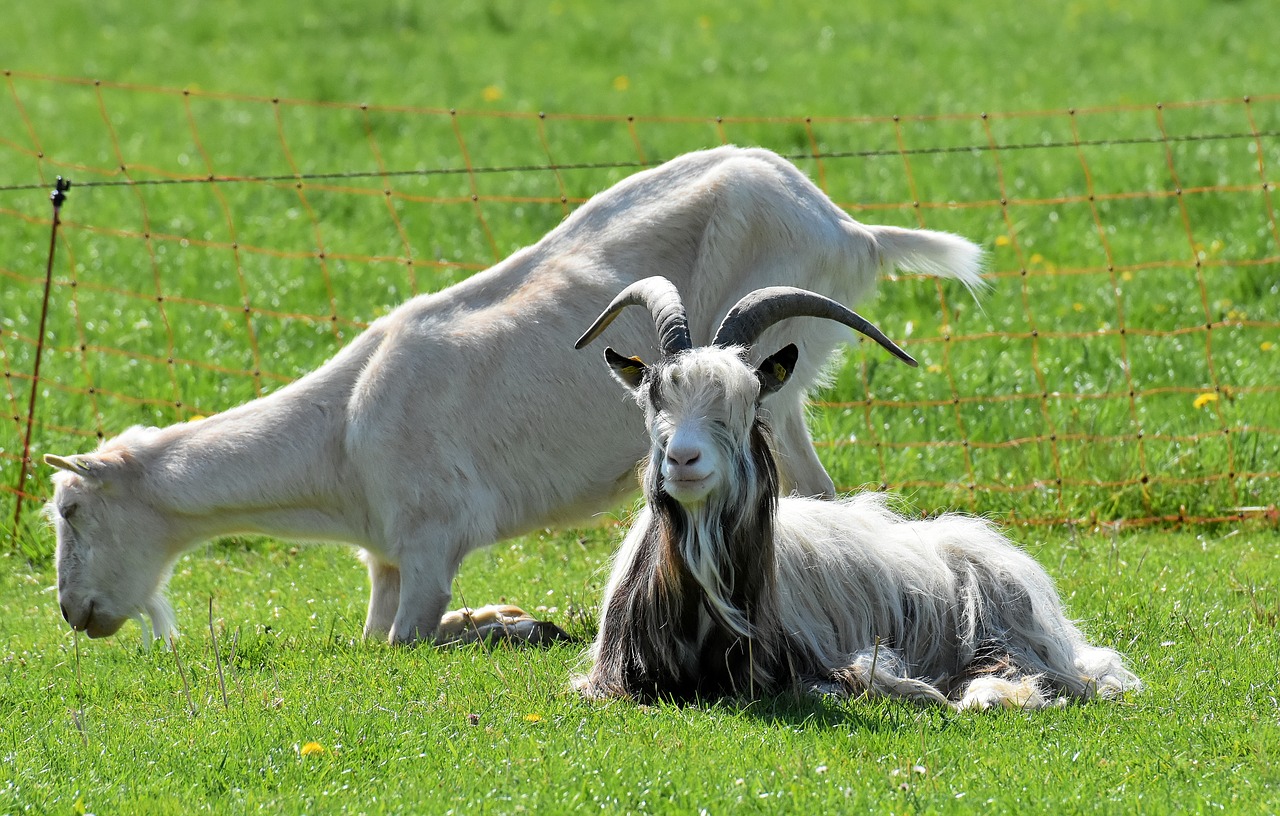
x=463 y=417
x=722 y=588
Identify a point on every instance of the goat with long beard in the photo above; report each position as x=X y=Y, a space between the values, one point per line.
x=723 y=589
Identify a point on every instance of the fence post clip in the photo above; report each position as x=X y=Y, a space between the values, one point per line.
x=59 y=194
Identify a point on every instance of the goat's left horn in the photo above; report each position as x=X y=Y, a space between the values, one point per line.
x=759 y=310
x=662 y=299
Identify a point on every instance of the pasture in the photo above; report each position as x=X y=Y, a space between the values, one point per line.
x=1112 y=398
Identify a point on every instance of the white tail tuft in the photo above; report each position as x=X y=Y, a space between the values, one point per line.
x=939 y=254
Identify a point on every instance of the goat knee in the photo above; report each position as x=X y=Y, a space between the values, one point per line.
x=415 y=626
x=426 y=574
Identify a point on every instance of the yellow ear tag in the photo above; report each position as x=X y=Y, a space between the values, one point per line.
x=634 y=369
x=779 y=372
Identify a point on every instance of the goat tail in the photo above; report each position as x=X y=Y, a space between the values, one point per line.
x=928 y=252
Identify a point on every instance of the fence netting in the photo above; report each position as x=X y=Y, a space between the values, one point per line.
x=1123 y=369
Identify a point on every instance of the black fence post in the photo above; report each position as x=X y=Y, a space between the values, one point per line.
x=57 y=197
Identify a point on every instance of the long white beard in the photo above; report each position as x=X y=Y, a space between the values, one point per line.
x=163 y=624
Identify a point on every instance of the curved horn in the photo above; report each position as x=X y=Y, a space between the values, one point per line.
x=660 y=297
x=760 y=309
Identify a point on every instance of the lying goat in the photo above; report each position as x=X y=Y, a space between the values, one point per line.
x=463 y=417
x=722 y=588
x=497 y=623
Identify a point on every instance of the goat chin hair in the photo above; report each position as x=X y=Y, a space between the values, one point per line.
x=158 y=620
x=855 y=599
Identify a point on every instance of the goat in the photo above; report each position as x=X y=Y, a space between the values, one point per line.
x=498 y=623
x=723 y=588
x=462 y=417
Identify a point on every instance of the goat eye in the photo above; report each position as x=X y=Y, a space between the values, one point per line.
x=68 y=511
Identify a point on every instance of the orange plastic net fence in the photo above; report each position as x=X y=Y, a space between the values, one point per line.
x=1123 y=369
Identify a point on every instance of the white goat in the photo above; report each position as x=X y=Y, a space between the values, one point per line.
x=463 y=417
x=722 y=588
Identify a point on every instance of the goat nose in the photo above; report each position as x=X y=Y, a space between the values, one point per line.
x=65 y=616
x=683 y=457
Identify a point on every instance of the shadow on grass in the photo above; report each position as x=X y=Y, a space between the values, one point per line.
x=802 y=711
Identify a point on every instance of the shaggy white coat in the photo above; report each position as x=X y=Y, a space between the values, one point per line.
x=465 y=416
x=841 y=596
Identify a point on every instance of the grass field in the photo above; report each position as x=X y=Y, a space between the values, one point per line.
x=1111 y=244
x=421 y=731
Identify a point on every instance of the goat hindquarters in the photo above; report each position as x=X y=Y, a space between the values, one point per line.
x=943 y=610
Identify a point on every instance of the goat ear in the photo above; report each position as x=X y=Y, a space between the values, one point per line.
x=630 y=371
x=775 y=370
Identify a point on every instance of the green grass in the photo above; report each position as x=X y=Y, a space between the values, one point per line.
x=1025 y=413
x=1196 y=613
x=1028 y=401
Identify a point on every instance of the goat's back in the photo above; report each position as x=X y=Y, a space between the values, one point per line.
x=476 y=395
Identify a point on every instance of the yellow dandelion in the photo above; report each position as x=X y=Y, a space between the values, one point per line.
x=1077 y=307
x=492 y=93
x=1204 y=399
x=533 y=718
x=704 y=22
x=1267 y=345
x=195 y=417
x=621 y=83
x=934 y=368
x=1003 y=240
x=1126 y=275
x=311 y=748
x=1037 y=258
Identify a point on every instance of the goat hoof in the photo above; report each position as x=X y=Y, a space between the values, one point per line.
x=498 y=624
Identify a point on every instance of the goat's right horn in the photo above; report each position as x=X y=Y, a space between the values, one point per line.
x=661 y=298
x=760 y=309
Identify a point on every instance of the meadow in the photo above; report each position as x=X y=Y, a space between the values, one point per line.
x=1111 y=398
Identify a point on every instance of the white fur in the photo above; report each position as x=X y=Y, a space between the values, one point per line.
x=845 y=568
x=872 y=600
x=465 y=416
